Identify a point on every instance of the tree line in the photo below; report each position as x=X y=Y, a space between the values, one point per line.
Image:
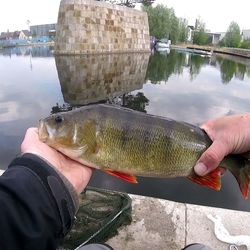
x=232 y=37
x=129 y=3
x=163 y=23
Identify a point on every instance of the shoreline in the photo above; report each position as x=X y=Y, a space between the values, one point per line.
x=217 y=50
x=243 y=53
x=28 y=45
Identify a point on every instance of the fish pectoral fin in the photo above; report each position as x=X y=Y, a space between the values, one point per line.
x=123 y=176
x=211 y=180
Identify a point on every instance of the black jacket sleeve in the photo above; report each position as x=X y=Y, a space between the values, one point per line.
x=36 y=207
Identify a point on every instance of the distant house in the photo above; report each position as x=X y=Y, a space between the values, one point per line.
x=213 y=38
x=26 y=34
x=245 y=34
x=216 y=37
x=16 y=35
x=15 y=38
x=21 y=35
x=5 y=36
x=42 y=30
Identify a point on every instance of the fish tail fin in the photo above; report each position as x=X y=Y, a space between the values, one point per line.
x=242 y=175
x=212 y=180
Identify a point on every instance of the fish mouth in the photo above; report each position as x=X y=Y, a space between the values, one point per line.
x=42 y=131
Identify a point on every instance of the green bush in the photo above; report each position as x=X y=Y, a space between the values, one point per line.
x=245 y=44
x=200 y=36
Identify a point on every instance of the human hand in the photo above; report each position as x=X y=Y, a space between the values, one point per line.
x=230 y=135
x=78 y=174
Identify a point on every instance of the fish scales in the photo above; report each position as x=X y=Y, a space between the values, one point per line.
x=125 y=143
x=148 y=145
x=135 y=142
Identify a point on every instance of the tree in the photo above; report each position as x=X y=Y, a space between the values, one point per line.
x=147 y=2
x=183 y=30
x=163 y=23
x=158 y=20
x=129 y=3
x=28 y=24
x=174 y=27
x=232 y=37
x=199 y=35
x=245 y=44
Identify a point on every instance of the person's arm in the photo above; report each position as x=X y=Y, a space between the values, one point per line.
x=230 y=135
x=39 y=196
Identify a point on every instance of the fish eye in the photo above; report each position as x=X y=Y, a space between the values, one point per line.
x=58 y=119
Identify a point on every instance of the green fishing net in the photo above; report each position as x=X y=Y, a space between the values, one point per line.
x=100 y=214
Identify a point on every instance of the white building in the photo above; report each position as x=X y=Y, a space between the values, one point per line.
x=190 y=33
x=245 y=34
x=217 y=37
x=42 y=29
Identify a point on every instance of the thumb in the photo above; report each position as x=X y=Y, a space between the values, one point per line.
x=211 y=158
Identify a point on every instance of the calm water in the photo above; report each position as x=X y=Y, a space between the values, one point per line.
x=178 y=85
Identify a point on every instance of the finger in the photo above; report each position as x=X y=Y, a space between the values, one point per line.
x=81 y=183
x=32 y=132
x=211 y=158
x=30 y=138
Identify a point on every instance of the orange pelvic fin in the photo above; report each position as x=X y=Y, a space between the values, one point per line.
x=212 y=180
x=123 y=176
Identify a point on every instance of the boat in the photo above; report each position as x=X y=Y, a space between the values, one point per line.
x=163 y=51
x=163 y=44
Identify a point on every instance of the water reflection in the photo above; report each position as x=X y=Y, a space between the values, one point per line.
x=177 y=85
x=94 y=78
x=136 y=102
x=36 y=51
x=114 y=79
x=195 y=64
x=230 y=69
x=91 y=78
x=161 y=66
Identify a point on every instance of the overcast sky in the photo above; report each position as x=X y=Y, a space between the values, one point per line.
x=217 y=14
